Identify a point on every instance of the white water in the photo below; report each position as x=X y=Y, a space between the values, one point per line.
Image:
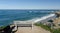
x=38 y=19
x=42 y=18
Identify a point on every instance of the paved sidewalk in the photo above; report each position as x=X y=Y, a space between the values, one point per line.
x=35 y=29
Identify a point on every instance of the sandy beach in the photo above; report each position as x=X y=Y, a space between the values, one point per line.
x=35 y=29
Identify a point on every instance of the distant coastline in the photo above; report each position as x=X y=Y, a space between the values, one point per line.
x=34 y=9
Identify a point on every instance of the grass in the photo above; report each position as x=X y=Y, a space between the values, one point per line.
x=55 y=31
x=43 y=26
x=48 y=28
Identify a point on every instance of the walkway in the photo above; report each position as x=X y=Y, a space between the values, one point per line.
x=35 y=29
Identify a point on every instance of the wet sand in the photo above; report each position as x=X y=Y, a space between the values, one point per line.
x=35 y=29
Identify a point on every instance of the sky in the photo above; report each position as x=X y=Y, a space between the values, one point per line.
x=29 y=4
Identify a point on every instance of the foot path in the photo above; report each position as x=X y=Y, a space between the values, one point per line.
x=35 y=29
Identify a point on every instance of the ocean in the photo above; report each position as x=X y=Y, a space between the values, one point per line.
x=8 y=16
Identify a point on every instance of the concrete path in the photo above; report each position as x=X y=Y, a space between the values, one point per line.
x=35 y=29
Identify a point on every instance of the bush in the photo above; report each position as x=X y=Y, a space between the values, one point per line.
x=2 y=27
x=55 y=31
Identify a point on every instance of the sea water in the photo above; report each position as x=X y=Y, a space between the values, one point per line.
x=8 y=16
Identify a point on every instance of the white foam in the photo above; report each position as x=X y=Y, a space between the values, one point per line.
x=39 y=19
x=44 y=17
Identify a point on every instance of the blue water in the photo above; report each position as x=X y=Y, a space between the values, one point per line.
x=8 y=16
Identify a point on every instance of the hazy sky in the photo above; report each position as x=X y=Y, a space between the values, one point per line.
x=29 y=4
